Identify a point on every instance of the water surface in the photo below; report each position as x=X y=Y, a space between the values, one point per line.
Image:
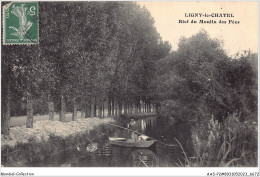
x=106 y=155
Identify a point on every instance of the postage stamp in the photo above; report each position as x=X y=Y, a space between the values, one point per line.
x=20 y=23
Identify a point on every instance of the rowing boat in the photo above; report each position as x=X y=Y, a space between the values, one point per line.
x=133 y=143
x=141 y=137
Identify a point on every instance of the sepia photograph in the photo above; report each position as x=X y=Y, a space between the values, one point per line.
x=129 y=84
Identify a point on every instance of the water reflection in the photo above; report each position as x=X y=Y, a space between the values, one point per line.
x=103 y=154
x=141 y=125
x=144 y=158
x=105 y=150
x=92 y=147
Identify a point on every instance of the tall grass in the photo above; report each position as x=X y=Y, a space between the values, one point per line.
x=231 y=143
x=33 y=151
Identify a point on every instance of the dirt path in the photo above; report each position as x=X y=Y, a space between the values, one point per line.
x=21 y=120
x=42 y=129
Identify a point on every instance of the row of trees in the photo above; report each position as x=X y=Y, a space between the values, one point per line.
x=94 y=56
x=200 y=80
x=90 y=55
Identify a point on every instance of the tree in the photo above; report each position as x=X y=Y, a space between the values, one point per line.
x=89 y=53
x=189 y=77
x=199 y=80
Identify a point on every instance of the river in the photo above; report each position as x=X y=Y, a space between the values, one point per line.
x=106 y=155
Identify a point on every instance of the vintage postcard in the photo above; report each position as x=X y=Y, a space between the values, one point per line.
x=129 y=84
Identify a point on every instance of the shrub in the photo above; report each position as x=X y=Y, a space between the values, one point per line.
x=231 y=143
x=33 y=151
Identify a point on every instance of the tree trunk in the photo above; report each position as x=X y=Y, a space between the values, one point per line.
x=51 y=110
x=83 y=111
x=99 y=110
x=131 y=108
x=148 y=106
x=109 y=107
x=29 y=122
x=88 y=110
x=95 y=109
x=92 y=109
x=75 y=107
x=113 y=107
x=62 y=117
x=156 y=106
x=116 y=107
x=125 y=108
x=120 y=107
x=146 y=110
x=5 y=108
x=142 y=107
x=136 y=108
x=139 y=106
x=103 y=109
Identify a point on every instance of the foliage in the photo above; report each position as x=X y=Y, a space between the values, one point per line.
x=200 y=83
x=33 y=151
x=88 y=51
x=231 y=143
x=201 y=80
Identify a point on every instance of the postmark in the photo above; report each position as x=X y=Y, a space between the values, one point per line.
x=20 y=23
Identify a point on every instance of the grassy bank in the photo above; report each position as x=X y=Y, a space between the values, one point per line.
x=34 y=151
x=228 y=144
x=43 y=129
x=21 y=120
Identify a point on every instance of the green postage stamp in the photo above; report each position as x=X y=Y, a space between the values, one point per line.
x=20 y=23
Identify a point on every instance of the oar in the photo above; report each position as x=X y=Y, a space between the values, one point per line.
x=141 y=134
x=125 y=128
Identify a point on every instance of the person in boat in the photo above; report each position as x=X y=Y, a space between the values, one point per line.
x=132 y=122
x=140 y=137
x=143 y=137
x=134 y=136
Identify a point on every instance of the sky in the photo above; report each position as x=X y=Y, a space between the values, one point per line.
x=236 y=37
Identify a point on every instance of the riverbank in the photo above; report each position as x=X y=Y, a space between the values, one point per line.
x=42 y=130
x=138 y=115
x=21 y=120
x=49 y=139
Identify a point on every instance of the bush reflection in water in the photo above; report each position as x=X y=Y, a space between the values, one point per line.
x=99 y=153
